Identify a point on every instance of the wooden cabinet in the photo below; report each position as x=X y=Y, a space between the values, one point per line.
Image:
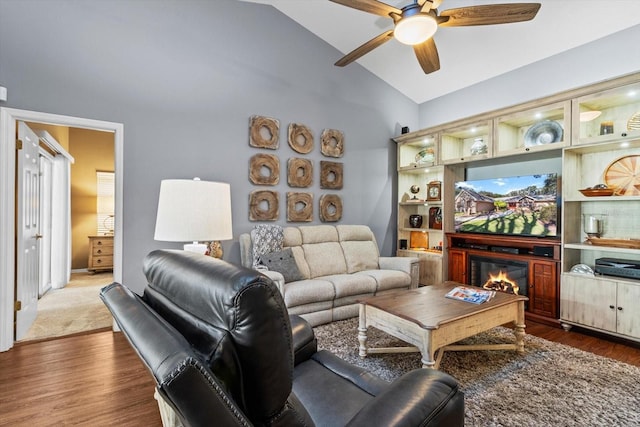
x=611 y=112
x=457 y=265
x=544 y=127
x=467 y=142
x=600 y=303
x=543 y=288
x=100 y=253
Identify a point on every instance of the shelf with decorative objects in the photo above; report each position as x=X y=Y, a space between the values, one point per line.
x=595 y=132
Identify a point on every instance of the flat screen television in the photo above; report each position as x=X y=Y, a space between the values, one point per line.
x=518 y=205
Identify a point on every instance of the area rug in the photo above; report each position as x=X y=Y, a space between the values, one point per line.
x=550 y=385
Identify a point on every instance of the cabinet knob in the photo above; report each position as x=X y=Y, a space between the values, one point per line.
x=611 y=307
x=98 y=261
x=619 y=308
x=99 y=251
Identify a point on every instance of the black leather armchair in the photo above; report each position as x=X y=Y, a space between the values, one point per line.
x=224 y=351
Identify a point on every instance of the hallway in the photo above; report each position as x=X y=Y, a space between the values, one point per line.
x=74 y=309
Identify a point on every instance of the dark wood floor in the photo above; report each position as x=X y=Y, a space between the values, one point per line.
x=97 y=379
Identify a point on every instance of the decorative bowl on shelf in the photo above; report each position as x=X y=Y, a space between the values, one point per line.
x=595 y=192
x=615 y=243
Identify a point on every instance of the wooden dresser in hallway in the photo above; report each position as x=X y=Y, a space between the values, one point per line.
x=100 y=253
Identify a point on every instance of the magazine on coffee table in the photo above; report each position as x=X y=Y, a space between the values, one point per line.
x=473 y=295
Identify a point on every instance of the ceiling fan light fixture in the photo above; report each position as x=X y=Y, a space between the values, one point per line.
x=415 y=29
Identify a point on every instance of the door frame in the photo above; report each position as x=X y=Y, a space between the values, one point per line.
x=8 y=119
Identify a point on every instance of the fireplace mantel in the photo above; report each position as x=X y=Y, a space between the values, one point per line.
x=542 y=256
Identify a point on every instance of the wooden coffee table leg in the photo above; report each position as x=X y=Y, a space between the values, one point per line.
x=427 y=351
x=518 y=331
x=362 y=331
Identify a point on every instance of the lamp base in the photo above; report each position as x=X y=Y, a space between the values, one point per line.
x=200 y=248
x=215 y=249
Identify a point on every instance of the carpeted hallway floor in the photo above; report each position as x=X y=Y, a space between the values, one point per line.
x=72 y=309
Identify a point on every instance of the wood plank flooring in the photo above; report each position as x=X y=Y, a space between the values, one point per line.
x=98 y=380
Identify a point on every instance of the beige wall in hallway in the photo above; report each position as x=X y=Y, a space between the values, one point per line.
x=93 y=151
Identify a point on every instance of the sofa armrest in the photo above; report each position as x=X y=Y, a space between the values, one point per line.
x=410 y=265
x=305 y=344
x=276 y=277
x=423 y=397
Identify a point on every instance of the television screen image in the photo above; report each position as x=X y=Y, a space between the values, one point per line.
x=517 y=205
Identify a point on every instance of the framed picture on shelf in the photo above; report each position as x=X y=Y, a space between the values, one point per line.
x=435 y=218
x=433 y=191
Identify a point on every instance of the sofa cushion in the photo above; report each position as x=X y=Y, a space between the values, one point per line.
x=308 y=291
x=349 y=284
x=324 y=258
x=354 y=232
x=284 y=263
x=265 y=238
x=388 y=279
x=360 y=256
x=318 y=233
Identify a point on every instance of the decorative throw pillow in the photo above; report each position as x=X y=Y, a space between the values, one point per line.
x=265 y=238
x=284 y=263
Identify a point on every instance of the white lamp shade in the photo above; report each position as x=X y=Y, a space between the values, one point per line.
x=193 y=210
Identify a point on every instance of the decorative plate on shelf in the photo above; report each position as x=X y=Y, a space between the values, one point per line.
x=623 y=175
x=542 y=133
x=425 y=156
x=634 y=122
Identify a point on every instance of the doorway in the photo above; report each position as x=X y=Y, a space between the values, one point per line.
x=8 y=119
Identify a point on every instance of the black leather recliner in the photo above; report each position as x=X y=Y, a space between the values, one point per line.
x=224 y=351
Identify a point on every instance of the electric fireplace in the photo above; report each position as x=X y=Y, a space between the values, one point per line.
x=498 y=274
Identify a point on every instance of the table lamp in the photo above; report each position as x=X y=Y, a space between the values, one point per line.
x=194 y=211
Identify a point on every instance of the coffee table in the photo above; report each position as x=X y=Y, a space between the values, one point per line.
x=429 y=321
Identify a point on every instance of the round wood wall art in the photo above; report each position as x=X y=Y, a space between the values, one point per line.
x=332 y=143
x=300 y=138
x=264 y=169
x=299 y=207
x=264 y=205
x=264 y=132
x=330 y=208
x=331 y=175
x=299 y=172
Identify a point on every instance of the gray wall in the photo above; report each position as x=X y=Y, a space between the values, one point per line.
x=184 y=77
x=603 y=59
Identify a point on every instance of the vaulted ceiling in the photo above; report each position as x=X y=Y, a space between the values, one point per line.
x=468 y=55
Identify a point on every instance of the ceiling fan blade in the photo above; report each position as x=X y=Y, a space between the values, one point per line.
x=371 y=6
x=427 y=55
x=489 y=14
x=365 y=48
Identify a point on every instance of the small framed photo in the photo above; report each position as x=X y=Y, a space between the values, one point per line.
x=433 y=191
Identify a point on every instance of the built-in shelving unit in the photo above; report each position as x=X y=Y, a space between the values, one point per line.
x=595 y=131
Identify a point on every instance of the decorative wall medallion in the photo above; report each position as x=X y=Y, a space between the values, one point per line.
x=330 y=208
x=299 y=172
x=264 y=132
x=300 y=138
x=264 y=205
x=299 y=207
x=331 y=175
x=264 y=169
x=332 y=143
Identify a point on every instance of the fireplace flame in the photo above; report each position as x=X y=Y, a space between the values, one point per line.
x=501 y=282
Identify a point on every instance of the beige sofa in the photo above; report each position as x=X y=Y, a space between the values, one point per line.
x=338 y=265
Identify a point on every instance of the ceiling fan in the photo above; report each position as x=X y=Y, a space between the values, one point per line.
x=417 y=22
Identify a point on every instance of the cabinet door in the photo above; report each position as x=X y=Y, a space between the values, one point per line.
x=588 y=301
x=543 y=288
x=628 y=309
x=458 y=266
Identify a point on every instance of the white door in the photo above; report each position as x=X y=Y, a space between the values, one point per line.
x=46 y=195
x=27 y=230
